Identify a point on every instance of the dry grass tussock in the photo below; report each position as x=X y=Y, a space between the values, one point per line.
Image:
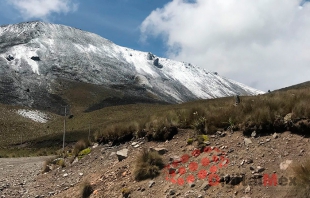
x=302 y=175
x=148 y=165
x=258 y=113
x=86 y=189
x=79 y=146
x=157 y=122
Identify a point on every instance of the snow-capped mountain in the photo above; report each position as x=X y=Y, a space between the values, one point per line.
x=35 y=55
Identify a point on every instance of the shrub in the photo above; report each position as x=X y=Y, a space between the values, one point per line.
x=86 y=189
x=79 y=146
x=148 y=165
x=84 y=152
x=199 y=123
x=190 y=141
x=302 y=175
x=61 y=162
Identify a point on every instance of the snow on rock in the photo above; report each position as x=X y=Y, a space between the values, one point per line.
x=34 y=115
x=70 y=53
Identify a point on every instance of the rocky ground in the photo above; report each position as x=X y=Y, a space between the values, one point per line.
x=239 y=163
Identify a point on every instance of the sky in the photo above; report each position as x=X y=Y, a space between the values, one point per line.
x=264 y=44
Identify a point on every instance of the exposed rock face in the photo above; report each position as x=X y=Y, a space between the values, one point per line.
x=149 y=56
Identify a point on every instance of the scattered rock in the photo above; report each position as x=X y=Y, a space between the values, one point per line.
x=288 y=118
x=151 y=183
x=122 y=154
x=65 y=175
x=172 y=192
x=205 y=186
x=284 y=165
x=257 y=176
x=253 y=134
x=149 y=56
x=160 y=151
x=235 y=180
x=260 y=169
x=275 y=135
x=249 y=161
x=247 y=141
x=247 y=189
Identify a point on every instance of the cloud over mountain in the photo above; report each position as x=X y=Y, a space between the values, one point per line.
x=42 y=9
x=260 y=43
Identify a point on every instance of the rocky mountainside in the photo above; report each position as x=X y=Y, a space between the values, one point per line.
x=37 y=58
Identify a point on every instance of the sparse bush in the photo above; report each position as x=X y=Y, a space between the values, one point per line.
x=86 y=189
x=61 y=162
x=302 y=175
x=148 y=165
x=84 y=152
x=47 y=163
x=79 y=146
x=190 y=141
x=199 y=124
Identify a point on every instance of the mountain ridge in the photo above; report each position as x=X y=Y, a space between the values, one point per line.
x=38 y=54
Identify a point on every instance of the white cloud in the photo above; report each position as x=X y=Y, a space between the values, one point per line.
x=264 y=44
x=42 y=8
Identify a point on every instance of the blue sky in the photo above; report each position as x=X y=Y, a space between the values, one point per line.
x=263 y=44
x=116 y=20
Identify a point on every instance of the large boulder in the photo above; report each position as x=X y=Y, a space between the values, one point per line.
x=122 y=154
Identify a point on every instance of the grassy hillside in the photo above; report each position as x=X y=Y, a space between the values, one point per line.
x=264 y=113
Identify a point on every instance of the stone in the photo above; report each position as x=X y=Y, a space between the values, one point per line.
x=275 y=135
x=81 y=174
x=156 y=62
x=206 y=185
x=172 y=192
x=249 y=161
x=247 y=189
x=260 y=169
x=122 y=154
x=247 y=141
x=235 y=180
x=160 y=151
x=268 y=140
x=134 y=143
x=284 y=165
x=149 y=56
x=253 y=134
x=257 y=175
x=65 y=175
x=288 y=118
x=151 y=184
x=95 y=145
x=207 y=143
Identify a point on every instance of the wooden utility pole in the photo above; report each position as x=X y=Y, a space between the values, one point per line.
x=64 y=135
x=89 y=132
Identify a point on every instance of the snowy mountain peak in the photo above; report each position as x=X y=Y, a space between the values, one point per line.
x=48 y=52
